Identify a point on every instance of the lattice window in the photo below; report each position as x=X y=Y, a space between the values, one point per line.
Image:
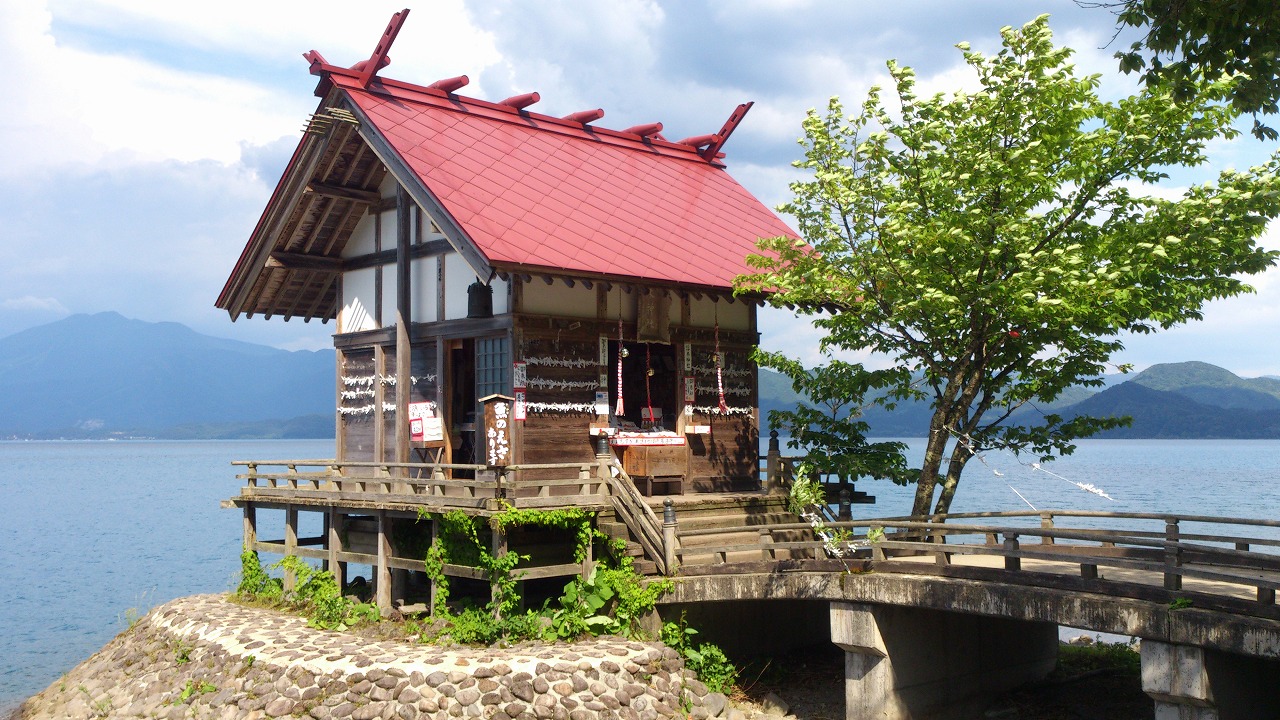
x=493 y=366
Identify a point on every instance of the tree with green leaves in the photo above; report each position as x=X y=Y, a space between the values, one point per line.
x=1187 y=41
x=996 y=244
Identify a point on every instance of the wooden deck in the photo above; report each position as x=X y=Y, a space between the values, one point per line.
x=1233 y=562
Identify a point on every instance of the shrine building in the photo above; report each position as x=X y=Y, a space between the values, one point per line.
x=577 y=276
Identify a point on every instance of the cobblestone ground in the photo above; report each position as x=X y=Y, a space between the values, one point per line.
x=205 y=657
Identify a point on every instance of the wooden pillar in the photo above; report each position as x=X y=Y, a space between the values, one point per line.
x=339 y=430
x=499 y=548
x=290 y=542
x=379 y=398
x=442 y=407
x=383 y=597
x=435 y=537
x=404 y=316
x=334 y=532
x=250 y=526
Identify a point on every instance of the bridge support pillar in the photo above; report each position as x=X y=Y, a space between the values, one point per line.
x=1193 y=683
x=903 y=663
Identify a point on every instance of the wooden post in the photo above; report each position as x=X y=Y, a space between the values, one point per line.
x=773 y=465
x=383 y=597
x=404 y=316
x=336 y=566
x=499 y=548
x=435 y=537
x=1046 y=522
x=339 y=429
x=1011 y=561
x=290 y=543
x=1172 y=555
x=588 y=559
x=669 y=537
x=250 y=526
x=379 y=401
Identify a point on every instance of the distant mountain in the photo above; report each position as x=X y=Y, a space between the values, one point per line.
x=1212 y=385
x=104 y=375
x=1174 y=400
x=1170 y=414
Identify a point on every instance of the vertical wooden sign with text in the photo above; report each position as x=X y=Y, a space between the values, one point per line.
x=497 y=430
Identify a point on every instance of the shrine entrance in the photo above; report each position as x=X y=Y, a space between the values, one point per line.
x=648 y=384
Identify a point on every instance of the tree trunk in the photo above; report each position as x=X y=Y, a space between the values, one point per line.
x=959 y=458
x=933 y=454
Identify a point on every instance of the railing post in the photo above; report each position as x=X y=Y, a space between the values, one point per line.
x=336 y=566
x=603 y=455
x=767 y=552
x=1172 y=555
x=773 y=466
x=290 y=543
x=1011 y=560
x=252 y=479
x=250 y=526
x=382 y=582
x=669 y=536
x=1046 y=523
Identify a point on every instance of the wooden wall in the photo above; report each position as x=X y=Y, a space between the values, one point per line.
x=728 y=458
x=362 y=384
x=562 y=369
x=357 y=409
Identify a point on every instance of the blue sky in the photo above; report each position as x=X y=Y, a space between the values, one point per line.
x=141 y=138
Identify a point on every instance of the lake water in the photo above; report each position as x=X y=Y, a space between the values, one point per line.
x=90 y=530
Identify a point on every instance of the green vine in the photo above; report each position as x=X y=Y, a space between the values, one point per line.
x=611 y=598
x=706 y=660
x=315 y=592
x=254 y=580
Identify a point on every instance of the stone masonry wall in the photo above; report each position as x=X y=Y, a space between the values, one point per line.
x=206 y=657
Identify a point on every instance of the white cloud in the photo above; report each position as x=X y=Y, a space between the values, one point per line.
x=31 y=302
x=117 y=99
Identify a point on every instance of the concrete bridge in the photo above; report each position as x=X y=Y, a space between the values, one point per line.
x=940 y=613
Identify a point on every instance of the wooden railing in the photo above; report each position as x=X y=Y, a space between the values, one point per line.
x=1166 y=553
x=428 y=484
x=595 y=484
x=632 y=509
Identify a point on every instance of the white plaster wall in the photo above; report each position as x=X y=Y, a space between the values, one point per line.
x=389 y=293
x=357 y=302
x=458 y=277
x=361 y=242
x=734 y=315
x=501 y=296
x=560 y=299
x=615 y=297
x=423 y=278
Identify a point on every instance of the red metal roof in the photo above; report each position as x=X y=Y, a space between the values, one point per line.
x=532 y=190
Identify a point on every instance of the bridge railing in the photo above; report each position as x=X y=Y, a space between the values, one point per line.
x=1148 y=548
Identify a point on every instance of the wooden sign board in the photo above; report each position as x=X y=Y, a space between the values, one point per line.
x=424 y=425
x=497 y=429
